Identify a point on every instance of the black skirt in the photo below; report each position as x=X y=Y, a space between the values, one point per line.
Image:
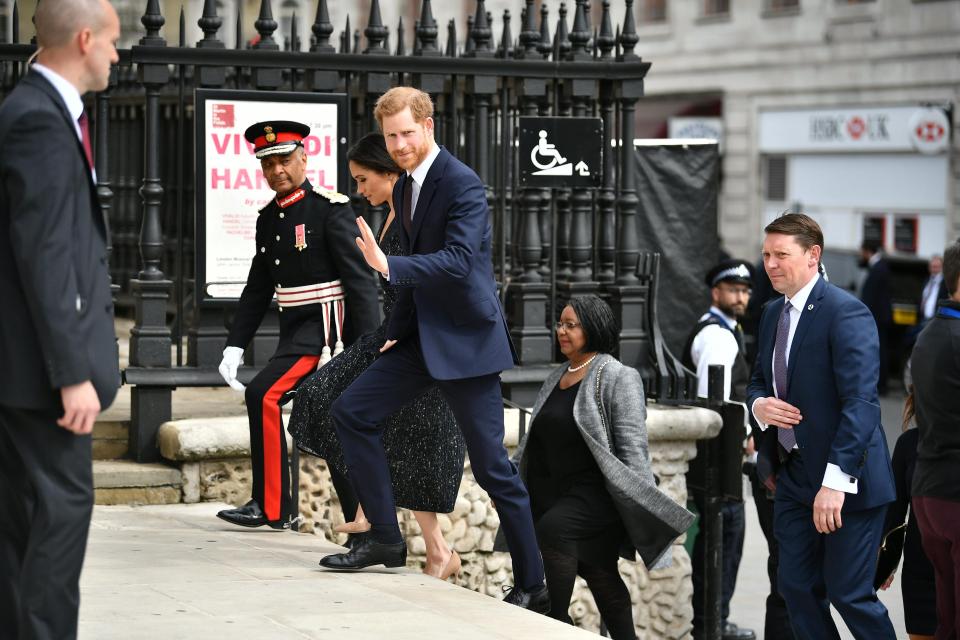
x=572 y=509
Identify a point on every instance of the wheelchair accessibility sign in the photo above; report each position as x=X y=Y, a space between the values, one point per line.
x=561 y=152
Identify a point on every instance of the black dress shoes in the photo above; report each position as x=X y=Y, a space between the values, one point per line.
x=537 y=600
x=365 y=552
x=730 y=631
x=251 y=515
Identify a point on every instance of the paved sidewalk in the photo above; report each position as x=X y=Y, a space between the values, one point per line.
x=175 y=571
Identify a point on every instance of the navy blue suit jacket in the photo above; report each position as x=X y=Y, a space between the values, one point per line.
x=832 y=379
x=449 y=294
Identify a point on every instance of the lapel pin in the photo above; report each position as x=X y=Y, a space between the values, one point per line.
x=809 y=307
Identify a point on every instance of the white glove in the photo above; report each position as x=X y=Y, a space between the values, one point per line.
x=232 y=357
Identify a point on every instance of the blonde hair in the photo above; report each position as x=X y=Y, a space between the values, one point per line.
x=399 y=98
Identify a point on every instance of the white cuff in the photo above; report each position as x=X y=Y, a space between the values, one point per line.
x=835 y=478
x=386 y=274
x=760 y=423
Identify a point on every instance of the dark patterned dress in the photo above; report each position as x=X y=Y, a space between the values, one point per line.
x=424 y=447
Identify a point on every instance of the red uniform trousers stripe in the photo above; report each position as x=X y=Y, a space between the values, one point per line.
x=274 y=447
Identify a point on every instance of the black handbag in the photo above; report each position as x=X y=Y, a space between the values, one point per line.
x=889 y=555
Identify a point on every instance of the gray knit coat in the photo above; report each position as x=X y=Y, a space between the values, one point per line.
x=652 y=519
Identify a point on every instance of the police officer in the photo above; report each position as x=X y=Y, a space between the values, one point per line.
x=718 y=339
x=326 y=296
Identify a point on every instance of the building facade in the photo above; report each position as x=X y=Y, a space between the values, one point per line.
x=844 y=110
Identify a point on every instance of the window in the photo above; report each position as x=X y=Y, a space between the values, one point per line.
x=782 y=5
x=716 y=7
x=775 y=183
x=653 y=11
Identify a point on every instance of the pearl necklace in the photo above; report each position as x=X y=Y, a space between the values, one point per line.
x=581 y=366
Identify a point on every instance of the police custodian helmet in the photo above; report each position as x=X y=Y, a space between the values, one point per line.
x=735 y=271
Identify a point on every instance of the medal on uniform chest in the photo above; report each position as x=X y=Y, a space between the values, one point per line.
x=300 y=240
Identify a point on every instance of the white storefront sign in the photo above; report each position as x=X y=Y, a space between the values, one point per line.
x=910 y=129
x=696 y=128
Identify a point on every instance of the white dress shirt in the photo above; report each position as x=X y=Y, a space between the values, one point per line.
x=714 y=345
x=929 y=300
x=833 y=476
x=419 y=175
x=69 y=95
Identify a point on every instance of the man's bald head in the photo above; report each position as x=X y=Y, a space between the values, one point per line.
x=58 y=21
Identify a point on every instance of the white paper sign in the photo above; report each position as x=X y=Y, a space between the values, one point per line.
x=233 y=184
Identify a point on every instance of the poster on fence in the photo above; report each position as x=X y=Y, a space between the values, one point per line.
x=231 y=189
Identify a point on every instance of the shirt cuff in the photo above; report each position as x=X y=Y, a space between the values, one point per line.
x=760 y=423
x=834 y=478
x=386 y=274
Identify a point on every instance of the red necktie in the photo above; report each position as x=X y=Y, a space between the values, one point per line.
x=85 y=136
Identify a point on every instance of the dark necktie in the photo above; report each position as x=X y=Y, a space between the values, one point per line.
x=407 y=214
x=786 y=437
x=85 y=137
x=738 y=334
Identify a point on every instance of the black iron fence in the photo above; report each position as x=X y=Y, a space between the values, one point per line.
x=550 y=243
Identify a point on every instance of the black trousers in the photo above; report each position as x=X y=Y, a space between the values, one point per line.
x=777 y=621
x=46 y=501
x=397 y=377
x=265 y=394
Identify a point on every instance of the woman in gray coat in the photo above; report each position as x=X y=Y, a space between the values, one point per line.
x=587 y=468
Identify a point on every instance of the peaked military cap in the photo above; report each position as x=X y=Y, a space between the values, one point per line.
x=276 y=137
x=736 y=271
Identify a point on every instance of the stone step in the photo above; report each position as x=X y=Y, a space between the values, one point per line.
x=196 y=439
x=126 y=482
x=110 y=439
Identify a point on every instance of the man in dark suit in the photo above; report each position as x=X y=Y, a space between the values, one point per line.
x=815 y=383
x=934 y=290
x=875 y=293
x=448 y=329
x=58 y=353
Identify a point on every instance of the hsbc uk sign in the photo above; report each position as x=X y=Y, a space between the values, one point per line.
x=831 y=128
x=923 y=129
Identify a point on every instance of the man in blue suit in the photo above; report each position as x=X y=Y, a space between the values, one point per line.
x=448 y=329
x=814 y=392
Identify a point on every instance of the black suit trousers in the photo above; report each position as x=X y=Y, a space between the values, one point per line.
x=777 y=620
x=46 y=500
x=396 y=378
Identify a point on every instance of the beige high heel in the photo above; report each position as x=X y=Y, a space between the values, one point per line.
x=453 y=567
x=353 y=527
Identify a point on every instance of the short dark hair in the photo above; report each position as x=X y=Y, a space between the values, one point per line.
x=951 y=267
x=597 y=321
x=370 y=152
x=871 y=244
x=802 y=227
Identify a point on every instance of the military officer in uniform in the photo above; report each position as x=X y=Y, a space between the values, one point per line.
x=718 y=339
x=326 y=296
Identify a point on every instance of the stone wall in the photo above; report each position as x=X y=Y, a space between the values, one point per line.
x=662 y=598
